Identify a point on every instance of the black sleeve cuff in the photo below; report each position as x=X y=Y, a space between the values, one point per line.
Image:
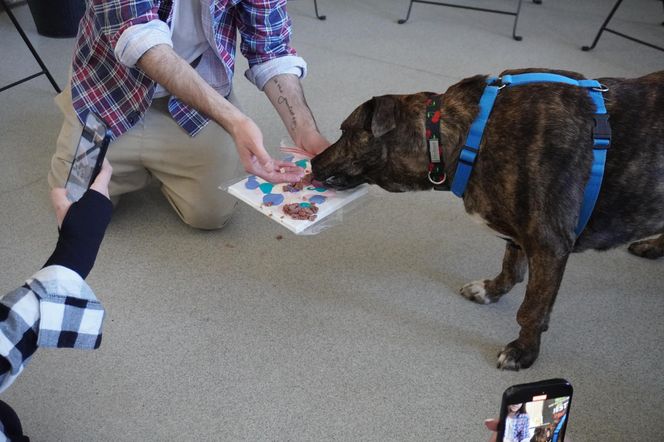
x=81 y=233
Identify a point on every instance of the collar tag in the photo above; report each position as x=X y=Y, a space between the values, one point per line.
x=434 y=151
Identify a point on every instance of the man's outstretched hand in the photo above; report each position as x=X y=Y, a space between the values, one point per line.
x=255 y=159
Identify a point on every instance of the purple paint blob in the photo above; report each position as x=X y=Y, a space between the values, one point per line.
x=317 y=199
x=251 y=183
x=273 y=199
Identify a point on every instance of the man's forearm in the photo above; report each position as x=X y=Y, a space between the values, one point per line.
x=285 y=93
x=165 y=67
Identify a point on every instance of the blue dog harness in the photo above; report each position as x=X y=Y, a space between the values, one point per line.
x=601 y=134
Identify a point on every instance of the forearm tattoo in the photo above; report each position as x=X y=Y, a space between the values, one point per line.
x=282 y=100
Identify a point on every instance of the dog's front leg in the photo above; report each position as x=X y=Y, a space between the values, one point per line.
x=546 y=272
x=491 y=290
x=649 y=248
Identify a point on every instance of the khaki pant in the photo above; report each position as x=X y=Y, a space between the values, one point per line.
x=190 y=170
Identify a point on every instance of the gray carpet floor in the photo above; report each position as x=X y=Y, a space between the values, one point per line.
x=357 y=333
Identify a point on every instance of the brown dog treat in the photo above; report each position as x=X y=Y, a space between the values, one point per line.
x=296 y=187
x=298 y=212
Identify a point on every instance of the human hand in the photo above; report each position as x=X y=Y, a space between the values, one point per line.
x=492 y=424
x=82 y=224
x=255 y=159
x=313 y=142
x=61 y=203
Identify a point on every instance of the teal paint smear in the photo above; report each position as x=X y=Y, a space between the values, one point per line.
x=266 y=187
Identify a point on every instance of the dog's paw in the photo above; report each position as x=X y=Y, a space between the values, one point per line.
x=648 y=248
x=513 y=357
x=476 y=292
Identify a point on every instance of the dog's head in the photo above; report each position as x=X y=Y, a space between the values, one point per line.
x=382 y=142
x=542 y=433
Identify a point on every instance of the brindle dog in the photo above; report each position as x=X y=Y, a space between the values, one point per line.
x=542 y=433
x=529 y=177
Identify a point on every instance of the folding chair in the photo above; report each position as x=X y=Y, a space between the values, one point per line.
x=628 y=37
x=44 y=69
x=472 y=8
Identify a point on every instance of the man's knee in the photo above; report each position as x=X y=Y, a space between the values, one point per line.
x=204 y=214
x=206 y=219
x=57 y=175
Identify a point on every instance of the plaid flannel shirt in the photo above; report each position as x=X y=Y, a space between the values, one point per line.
x=55 y=308
x=121 y=95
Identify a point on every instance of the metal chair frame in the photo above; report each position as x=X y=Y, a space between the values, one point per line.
x=620 y=34
x=44 y=69
x=472 y=8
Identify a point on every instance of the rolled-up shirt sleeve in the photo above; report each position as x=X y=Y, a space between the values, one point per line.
x=136 y=40
x=265 y=30
x=55 y=308
x=260 y=74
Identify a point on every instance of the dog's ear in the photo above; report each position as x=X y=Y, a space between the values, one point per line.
x=377 y=115
x=384 y=115
x=360 y=118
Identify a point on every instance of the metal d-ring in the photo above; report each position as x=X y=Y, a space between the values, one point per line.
x=437 y=182
x=502 y=85
x=601 y=88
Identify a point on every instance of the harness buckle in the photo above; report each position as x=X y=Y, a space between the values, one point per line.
x=601 y=131
x=601 y=88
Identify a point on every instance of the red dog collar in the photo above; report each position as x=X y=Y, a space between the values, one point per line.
x=436 y=167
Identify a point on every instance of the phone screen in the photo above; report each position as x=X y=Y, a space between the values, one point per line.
x=535 y=412
x=88 y=157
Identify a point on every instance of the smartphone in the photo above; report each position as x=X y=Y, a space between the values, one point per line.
x=538 y=412
x=88 y=157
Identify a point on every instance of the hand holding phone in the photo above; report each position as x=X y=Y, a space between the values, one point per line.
x=88 y=157
x=535 y=412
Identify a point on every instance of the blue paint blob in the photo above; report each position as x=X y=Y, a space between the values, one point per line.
x=317 y=199
x=273 y=199
x=251 y=183
x=289 y=158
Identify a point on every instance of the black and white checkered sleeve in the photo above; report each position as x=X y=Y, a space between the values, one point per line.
x=55 y=308
x=19 y=316
x=70 y=314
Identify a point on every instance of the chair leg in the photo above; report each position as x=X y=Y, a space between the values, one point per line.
x=516 y=20
x=319 y=17
x=44 y=69
x=404 y=20
x=612 y=31
x=606 y=22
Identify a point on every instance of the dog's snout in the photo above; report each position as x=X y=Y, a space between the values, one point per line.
x=335 y=182
x=330 y=180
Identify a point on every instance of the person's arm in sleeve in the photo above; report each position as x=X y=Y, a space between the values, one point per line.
x=117 y=17
x=275 y=68
x=165 y=67
x=56 y=308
